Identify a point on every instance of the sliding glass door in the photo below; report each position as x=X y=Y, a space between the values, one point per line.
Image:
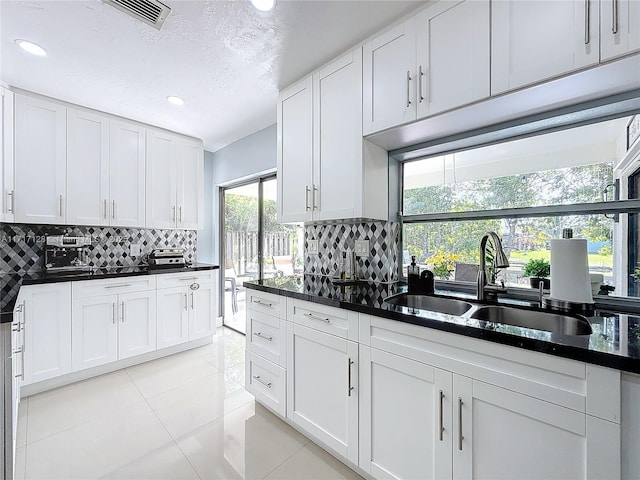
x=254 y=245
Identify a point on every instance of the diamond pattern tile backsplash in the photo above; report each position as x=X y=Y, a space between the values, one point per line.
x=381 y=265
x=22 y=246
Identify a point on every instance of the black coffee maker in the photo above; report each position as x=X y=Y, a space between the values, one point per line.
x=66 y=254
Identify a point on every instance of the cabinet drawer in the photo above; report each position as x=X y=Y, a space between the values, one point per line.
x=108 y=286
x=266 y=303
x=336 y=321
x=267 y=382
x=184 y=279
x=266 y=336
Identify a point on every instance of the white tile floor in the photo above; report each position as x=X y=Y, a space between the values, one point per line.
x=187 y=416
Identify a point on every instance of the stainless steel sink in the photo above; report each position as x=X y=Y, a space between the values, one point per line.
x=425 y=302
x=549 y=322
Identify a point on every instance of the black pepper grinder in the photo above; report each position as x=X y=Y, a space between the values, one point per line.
x=413 y=276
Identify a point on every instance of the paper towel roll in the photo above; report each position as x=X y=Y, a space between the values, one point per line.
x=570 y=270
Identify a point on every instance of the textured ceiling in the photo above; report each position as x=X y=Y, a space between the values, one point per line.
x=226 y=59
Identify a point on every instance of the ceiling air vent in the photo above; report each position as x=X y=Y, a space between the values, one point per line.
x=151 y=12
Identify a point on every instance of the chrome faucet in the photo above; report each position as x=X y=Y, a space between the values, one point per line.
x=486 y=283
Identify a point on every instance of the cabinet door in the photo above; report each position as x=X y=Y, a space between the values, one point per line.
x=202 y=310
x=501 y=434
x=137 y=327
x=7 y=200
x=619 y=27
x=452 y=55
x=127 y=174
x=94 y=331
x=190 y=188
x=537 y=40
x=422 y=418
x=338 y=159
x=322 y=387
x=295 y=153
x=161 y=180
x=173 y=316
x=87 y=168
x=389 y=79
x=40 y=161
x=47 y=331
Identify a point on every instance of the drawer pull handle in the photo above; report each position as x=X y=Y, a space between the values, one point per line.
x=190 y=279
x=266 y=384
x=258 y=334
x=264 y=304
x=120 y=285
x=315 y=317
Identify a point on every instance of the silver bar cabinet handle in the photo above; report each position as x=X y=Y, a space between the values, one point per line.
x=314 y=203
x=307 y=190
x=259 y=302
x=122 y=312
x=186 y=306
x=105 y=209
x=173 y=214
x=420 y=80
x=120 y=285
x=180 y=213
x=266 y=384
x=460 y=437
x=408 y=88
x=441 y=427
x=315 y=317
x=349 y=364
x=113 y=209
x=11 y=208
x=20 y=350
x=61 y=201
x=113 y=313
x=614 y=23
x=258 y=334
x=587 y=15
x=192 y=301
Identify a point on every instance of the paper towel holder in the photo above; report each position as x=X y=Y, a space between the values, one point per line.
x=587 y=309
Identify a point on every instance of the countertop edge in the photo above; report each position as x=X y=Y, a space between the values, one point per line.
x=604 y=359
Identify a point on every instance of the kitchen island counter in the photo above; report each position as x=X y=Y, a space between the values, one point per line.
x=614 y=343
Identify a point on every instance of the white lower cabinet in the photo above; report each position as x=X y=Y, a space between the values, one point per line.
x=404 y=408
x=112 y=327
x=47 y=331
x=322 y=387
x=186 y=312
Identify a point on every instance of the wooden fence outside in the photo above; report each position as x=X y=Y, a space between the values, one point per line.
x=242 y=248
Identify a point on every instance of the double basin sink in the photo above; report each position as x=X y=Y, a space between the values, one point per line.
x=558 y=324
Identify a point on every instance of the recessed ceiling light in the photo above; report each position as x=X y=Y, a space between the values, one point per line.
x=31 y=47
x=264 y=5
x=175 y=100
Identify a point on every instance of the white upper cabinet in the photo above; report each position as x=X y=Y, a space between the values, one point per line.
x=40 y=160
x=87 y=168
x=432 y=62
x=127 y=173
x=533 y=41
x=452 y=55
x=619 y=27
x=389 y=78
x=7 y=190
x=175 y=189
x=295 y=152
x=326 y=171
x=161 y=180
x=190 y=187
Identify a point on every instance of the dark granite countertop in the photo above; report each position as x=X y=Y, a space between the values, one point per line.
x=614 y=343
x=10 y=283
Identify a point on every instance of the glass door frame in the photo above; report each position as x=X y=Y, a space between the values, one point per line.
x=260 y=179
